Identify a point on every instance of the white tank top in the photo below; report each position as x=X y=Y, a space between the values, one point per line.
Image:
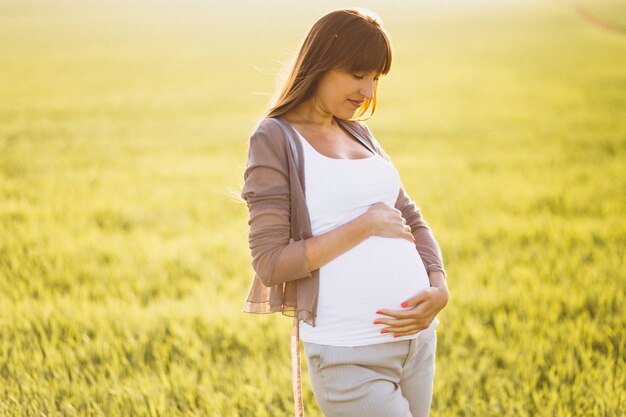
x=378 y=273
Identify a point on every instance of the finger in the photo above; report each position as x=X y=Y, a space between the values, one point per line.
x=395 y=322
x=407 y=333
x=406 y=330
x=400 y=314
x=416 y=299
x=400 y=330
x=407 y=233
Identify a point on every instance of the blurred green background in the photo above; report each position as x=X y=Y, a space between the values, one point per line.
x=124 y=260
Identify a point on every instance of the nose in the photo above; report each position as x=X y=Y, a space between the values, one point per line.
x=367 y=91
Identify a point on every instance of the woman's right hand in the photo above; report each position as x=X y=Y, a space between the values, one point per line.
x=387 y=221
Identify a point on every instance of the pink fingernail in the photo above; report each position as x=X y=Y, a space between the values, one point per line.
x=379 y=312
x=376 y=322
x=396 y=335
x=404 y=304
x=384 y=331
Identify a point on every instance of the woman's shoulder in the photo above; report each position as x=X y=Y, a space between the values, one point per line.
x=268 y=125
x=268 y=131
x=360 y=127
x=366 y=132
x=364 y=128
x=267 y=144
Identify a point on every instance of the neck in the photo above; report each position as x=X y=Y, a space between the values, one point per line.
x=310 y=114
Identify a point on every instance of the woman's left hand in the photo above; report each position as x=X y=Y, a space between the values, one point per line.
x=420 y=311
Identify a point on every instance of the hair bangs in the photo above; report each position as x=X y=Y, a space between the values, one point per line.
x=368 y=54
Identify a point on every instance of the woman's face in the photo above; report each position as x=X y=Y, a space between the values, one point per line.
x=341 y=93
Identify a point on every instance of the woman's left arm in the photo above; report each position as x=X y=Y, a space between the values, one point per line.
x=425 y=241
x=422 y=308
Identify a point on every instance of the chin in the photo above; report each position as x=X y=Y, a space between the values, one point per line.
x=350 y=114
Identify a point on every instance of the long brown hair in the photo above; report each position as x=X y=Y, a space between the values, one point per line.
x=350 y=39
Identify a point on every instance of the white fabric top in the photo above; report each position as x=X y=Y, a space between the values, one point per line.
x=386 y=270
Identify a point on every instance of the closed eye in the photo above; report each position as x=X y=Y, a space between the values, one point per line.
x=360 y=77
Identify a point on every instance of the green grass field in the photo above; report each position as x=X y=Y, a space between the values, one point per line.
x=124 y=260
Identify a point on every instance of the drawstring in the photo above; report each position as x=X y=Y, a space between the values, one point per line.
x=296 y=378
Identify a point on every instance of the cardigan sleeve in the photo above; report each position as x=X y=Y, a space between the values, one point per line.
x=276 y=258
x=425 y=241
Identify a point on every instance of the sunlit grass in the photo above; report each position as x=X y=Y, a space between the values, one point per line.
x=123 y=253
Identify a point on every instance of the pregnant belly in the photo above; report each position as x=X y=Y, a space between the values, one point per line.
x=380 y=272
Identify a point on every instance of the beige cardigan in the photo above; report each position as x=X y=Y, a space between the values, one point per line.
x=279 y=222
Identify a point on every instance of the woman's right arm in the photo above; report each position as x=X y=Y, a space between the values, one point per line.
x=325 y=247
x=380 y=219
x=276 y=258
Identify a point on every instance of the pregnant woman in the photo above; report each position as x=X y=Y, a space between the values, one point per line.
x=336 y=241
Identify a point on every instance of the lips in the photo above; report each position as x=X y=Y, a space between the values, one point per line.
x=355 y=103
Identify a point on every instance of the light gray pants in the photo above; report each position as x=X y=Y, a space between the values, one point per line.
x=393 y=379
